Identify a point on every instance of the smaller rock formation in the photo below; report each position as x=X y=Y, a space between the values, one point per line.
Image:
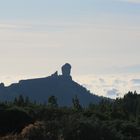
x=55 y=74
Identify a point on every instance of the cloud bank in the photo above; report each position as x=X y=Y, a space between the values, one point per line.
x=111 y=85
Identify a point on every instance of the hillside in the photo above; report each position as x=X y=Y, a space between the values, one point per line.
x=60 y=86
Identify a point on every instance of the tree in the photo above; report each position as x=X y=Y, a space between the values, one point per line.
x=76 y=103
x=15 y=101
x=52 y=102
x=27 y=101
x=19 y=101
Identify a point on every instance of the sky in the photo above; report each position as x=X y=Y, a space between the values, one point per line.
x=99 y=38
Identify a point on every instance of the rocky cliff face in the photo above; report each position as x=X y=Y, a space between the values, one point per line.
x=61 y=86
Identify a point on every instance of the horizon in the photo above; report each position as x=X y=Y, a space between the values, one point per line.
x=100 y=39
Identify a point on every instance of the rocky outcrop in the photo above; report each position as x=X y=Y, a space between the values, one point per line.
x=66 y=69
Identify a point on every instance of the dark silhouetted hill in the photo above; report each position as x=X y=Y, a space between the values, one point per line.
x=61 y=86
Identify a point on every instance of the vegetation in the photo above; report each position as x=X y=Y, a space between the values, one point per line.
x=108 y=120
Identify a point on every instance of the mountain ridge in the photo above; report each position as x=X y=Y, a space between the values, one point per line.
x=60 y=86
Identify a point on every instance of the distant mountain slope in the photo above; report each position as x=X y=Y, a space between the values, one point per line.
x=61 y=86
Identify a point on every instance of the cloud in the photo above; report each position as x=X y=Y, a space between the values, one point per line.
x=102 y=44
x=119 y=82
x=113 y=93
x=15 y=26
x=102 y=80
x=136 y=81
x=116 y=85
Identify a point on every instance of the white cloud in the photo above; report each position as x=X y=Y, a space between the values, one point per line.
x=114 y=85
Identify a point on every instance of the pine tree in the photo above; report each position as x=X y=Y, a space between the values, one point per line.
x=76 y=104
x=21 y=101
x=52 y=102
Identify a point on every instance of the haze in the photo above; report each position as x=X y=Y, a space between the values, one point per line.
x=99 y=38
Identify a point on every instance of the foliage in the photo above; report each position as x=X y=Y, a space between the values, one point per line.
x=52 y=102
x=108 y=120
x=76 y=104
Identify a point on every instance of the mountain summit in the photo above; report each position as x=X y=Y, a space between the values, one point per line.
x=40 y=89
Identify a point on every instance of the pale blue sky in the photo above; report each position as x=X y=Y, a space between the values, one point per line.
x=65 y=9
x=100 y=38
